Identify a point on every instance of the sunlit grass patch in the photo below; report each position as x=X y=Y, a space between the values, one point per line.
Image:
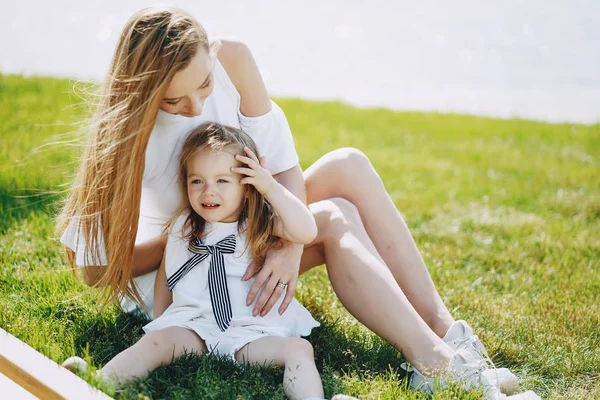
x=505 y=213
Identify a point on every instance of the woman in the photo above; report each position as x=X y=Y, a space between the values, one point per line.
x=166 y=78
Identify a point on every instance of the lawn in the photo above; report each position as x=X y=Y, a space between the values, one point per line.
x=505 y=212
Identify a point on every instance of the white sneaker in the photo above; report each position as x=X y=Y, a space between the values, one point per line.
x=466 y=370
x=79 y=366
x=460 y=336
x=76 y=365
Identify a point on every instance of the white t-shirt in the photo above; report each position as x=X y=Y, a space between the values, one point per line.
x=160 y=193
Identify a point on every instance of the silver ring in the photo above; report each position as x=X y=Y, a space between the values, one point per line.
x=282 y=285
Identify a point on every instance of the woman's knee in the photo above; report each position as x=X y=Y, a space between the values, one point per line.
x=344 y=171
x=334 y=217
x=349 y=162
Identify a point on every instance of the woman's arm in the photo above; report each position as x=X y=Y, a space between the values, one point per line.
x=241 y=68
x=148 y=255
x=92 y=275
x=162 y=295
x=146 y=258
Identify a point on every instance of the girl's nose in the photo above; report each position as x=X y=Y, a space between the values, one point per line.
x=209 y=190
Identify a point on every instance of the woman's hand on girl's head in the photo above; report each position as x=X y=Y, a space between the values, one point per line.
x=281 y=265
x=256 y=173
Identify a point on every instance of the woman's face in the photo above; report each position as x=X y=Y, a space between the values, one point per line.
x=190 y=87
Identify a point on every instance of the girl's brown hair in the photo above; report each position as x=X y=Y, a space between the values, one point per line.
x=155 y=44
x=256 y=214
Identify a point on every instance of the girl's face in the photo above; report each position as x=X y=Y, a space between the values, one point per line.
x=190 y=87
x=214 y=192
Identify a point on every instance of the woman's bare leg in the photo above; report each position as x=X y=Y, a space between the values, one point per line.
x=301 y=379
x=151 y=351
x=366 y=287
x=348 y=173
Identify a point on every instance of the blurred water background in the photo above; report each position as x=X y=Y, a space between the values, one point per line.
x=536 y=59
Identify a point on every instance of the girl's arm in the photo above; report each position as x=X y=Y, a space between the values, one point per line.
x=162 y=296
x=294 y=221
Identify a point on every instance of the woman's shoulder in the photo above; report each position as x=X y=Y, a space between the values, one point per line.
x=236 y=57
x=237 y=60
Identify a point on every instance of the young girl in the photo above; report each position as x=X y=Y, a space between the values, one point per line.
x=234 y=213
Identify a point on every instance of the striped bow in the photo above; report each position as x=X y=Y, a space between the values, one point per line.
x=217 y=280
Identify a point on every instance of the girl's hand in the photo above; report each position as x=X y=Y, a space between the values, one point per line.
x=256 y=173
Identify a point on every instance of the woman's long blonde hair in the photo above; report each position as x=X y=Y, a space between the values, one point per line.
x=155 y=44
x=256 y=214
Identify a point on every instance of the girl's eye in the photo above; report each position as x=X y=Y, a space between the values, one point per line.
x=196 y=181
x=222 y=181
x=172 y=103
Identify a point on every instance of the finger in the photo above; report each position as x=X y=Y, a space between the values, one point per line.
x=252 y=269
x=289 y=296
x=267 y=291
x=248 y=181
x=263 y=162
x=260 y=280
x=277 y=292
x=244 y=171
x=250 y=162
x=251 y=154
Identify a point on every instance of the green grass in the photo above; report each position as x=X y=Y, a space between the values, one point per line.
x=506 y=214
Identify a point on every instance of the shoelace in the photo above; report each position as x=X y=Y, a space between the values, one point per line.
x=472 y=376
x=474 y=343
x=474 y=368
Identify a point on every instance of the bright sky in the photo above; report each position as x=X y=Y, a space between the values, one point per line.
x=535 y=58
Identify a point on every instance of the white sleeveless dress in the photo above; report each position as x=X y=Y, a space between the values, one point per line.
x=192 y=309
x=160 y=195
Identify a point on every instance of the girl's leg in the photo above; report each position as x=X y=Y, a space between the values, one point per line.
x=366 y=287
x=301 y=379
x=151 y=351
x=348 y=173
